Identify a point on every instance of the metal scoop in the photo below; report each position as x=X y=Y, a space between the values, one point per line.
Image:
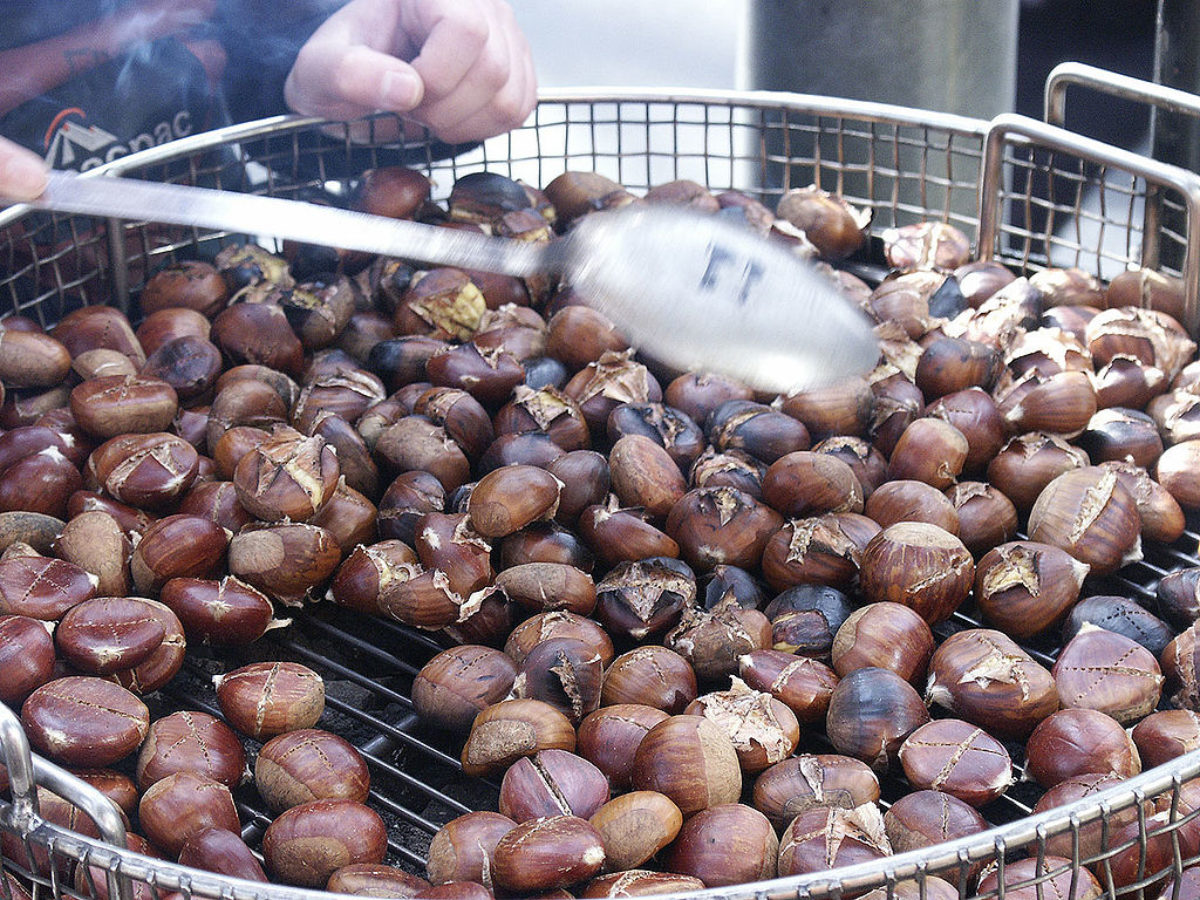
x=693 y=291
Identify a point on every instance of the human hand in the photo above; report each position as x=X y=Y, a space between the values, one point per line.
x=22 y=173
x=460 y=67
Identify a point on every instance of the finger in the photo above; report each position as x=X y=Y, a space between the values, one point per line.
x=22 y=174
x=342 y=82
x=498 y=86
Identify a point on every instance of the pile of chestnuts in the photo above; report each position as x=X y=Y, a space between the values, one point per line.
x=686 y=628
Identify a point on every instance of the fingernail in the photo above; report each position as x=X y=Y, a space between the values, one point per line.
x=401 y=90
x=22 y=177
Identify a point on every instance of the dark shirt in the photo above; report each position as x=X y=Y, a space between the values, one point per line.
x=157 y=92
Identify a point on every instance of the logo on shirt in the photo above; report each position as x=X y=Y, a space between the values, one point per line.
x=71 y=142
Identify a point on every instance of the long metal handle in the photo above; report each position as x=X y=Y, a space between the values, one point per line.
x=1124 y=87
x=239 y=213
x=1007 y=128
x=26 y=771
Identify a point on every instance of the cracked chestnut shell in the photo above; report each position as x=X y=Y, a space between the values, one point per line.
x=984 y=676
x=650 y=675
x=1089 y=513
x=825 y=838
x=802 y=684
x=287 y=476
x=764 y=730
x=309 y=764
x=640 y=598
x=564 y=672
x=807 y=780
x=722 y=526
x=552 y=783
x=713 y=640
x=1026 y=588
x=264 y=699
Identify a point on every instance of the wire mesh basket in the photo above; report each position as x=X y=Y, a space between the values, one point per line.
x=1030 y=195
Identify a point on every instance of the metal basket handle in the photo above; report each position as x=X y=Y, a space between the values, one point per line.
x=1014 y=129
x=1124 y=87
x=26 y=771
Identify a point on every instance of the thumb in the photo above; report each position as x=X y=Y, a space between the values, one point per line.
x=22 y=174
x=341 y=83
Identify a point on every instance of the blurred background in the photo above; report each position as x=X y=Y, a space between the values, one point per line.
x=975 y=58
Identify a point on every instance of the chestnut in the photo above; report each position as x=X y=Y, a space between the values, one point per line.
x=958 y=758
x=725 y=845
x=920 y=565
x=506 y=731
x=83 y=720
x=1031 y=878
x=461 y=850
x=182 y=804
x=712 y=641
x=723 y=526
x=1103 y=670
x=558 y=623
x=103 y=635
x=1026 y=588
x=842 y=409
x=798 y=783
x=806 y=483
x=983 y=676
x=801 y=683
x=579 y=335
x=563 y=672
x=1075 y=741
x=986 y=517
x=925 y=818
x=908 y=500
x=929 y=450
x=1029 y=462
x=763 y=729
x=177 y=546
x=1122 y=615
x=871 y=711
x=548 y=586
x=305 y=844
x=821 y=550
x=218 y=850
x=547 y=853
x=650 y=675
x=635 y=826
x=511 y=497
x=188 y=741
x=552 y=782
x=609 y=736
x=376 y=879
x=824 y=838
x=227 y=612
x=691 y=760
x=26 y=657
x=756 y=428
x=264 y=699
x=1166 y=735
x=973 y=412
x=309 y=764
x=672 y=429
x=884 y=634
x=643 y=474
x=451 y=689
x=1090 y=514
x=640 y=598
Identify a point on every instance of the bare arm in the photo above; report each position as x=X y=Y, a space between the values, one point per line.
x=22 y=173
x=41 y=67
